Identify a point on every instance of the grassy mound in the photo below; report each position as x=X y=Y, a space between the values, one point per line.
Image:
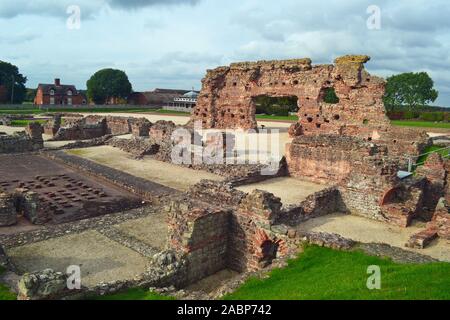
x=322 y=273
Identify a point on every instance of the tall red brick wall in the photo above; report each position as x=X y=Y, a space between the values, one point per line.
x=227 y=97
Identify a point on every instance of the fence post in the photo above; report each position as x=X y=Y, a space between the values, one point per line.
x=409 y=165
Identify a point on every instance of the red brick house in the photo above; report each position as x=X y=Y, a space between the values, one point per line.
x=58 y=94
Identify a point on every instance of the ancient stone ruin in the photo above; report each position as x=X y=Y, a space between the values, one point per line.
x=93 y=126
x=227 y=99
x=19 y=142
x=347 y=148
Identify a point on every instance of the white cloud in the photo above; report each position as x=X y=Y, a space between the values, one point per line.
x=167 y=44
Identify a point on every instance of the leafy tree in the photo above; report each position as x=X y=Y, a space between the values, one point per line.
x=275 y=105
x=410 y=90
x=30 y=95
x=330 y=96
x=107 y=84
x=9 y=74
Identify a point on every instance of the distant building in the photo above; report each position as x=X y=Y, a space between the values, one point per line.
x=186 y=102
x=155 y=98
x=58 y=94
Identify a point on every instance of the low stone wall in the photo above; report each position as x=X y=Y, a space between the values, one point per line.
x=94 y=126
x=87 y=144
x=166 y=269
x=136 y=146
x=8 y=214
x=321 y=203
x=210 y=191
x=435 y=175
x=80 y=131
x=441 y=219
x=18 y=142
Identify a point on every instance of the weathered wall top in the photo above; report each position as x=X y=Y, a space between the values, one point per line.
x=227 y=96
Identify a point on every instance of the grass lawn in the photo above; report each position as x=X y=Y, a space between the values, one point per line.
x=268 y=117
x=423 y=124
x=322 y=273
x=134 y=294
x=20 y=111
x=5 y=294
x=169 y=112
x=442 y=151
x=24 y=123
x=74 y=110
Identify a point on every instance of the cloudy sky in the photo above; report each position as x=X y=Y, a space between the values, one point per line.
x=171 y=43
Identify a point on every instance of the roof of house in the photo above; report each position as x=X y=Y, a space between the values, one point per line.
x=171 y=91
x=59 y=90
x=191 y=94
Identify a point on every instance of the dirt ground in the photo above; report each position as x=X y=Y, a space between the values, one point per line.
x=10 y=130
x=164 y=173
x=150 y=230
x=100 y=258
x=290 y=190
x=366 y=230
x=209 y=284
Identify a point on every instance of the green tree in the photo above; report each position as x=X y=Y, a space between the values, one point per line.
x=330 y=96
x=410 y=90
x=9 y=75
x=106 y=84
x=30 y=95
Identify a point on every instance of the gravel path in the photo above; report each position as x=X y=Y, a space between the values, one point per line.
x=164 y=173
x=368 y=231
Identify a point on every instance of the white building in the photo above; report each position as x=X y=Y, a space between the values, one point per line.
x=185 y=103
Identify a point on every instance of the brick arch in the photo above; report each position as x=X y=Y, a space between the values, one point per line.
x=390 y=195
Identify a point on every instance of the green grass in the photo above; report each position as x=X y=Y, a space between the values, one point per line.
x=134 y=294
x=322 y=273
x=268 y=117
x=5 y=293
x=422 y=124
x=74 y=110
x=24 y=123
x=170 y=112
x=20 y=111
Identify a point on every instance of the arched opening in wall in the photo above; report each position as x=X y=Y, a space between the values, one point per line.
x=393 y=195
x=278 y=106
x=269 y=251
x=328 y=95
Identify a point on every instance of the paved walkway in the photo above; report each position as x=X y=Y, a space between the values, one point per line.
x=290 y=190
x=105 y=252
x=166 y=174
x=366 y=230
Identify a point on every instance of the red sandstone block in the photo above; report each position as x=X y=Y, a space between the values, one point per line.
x=422 y=239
